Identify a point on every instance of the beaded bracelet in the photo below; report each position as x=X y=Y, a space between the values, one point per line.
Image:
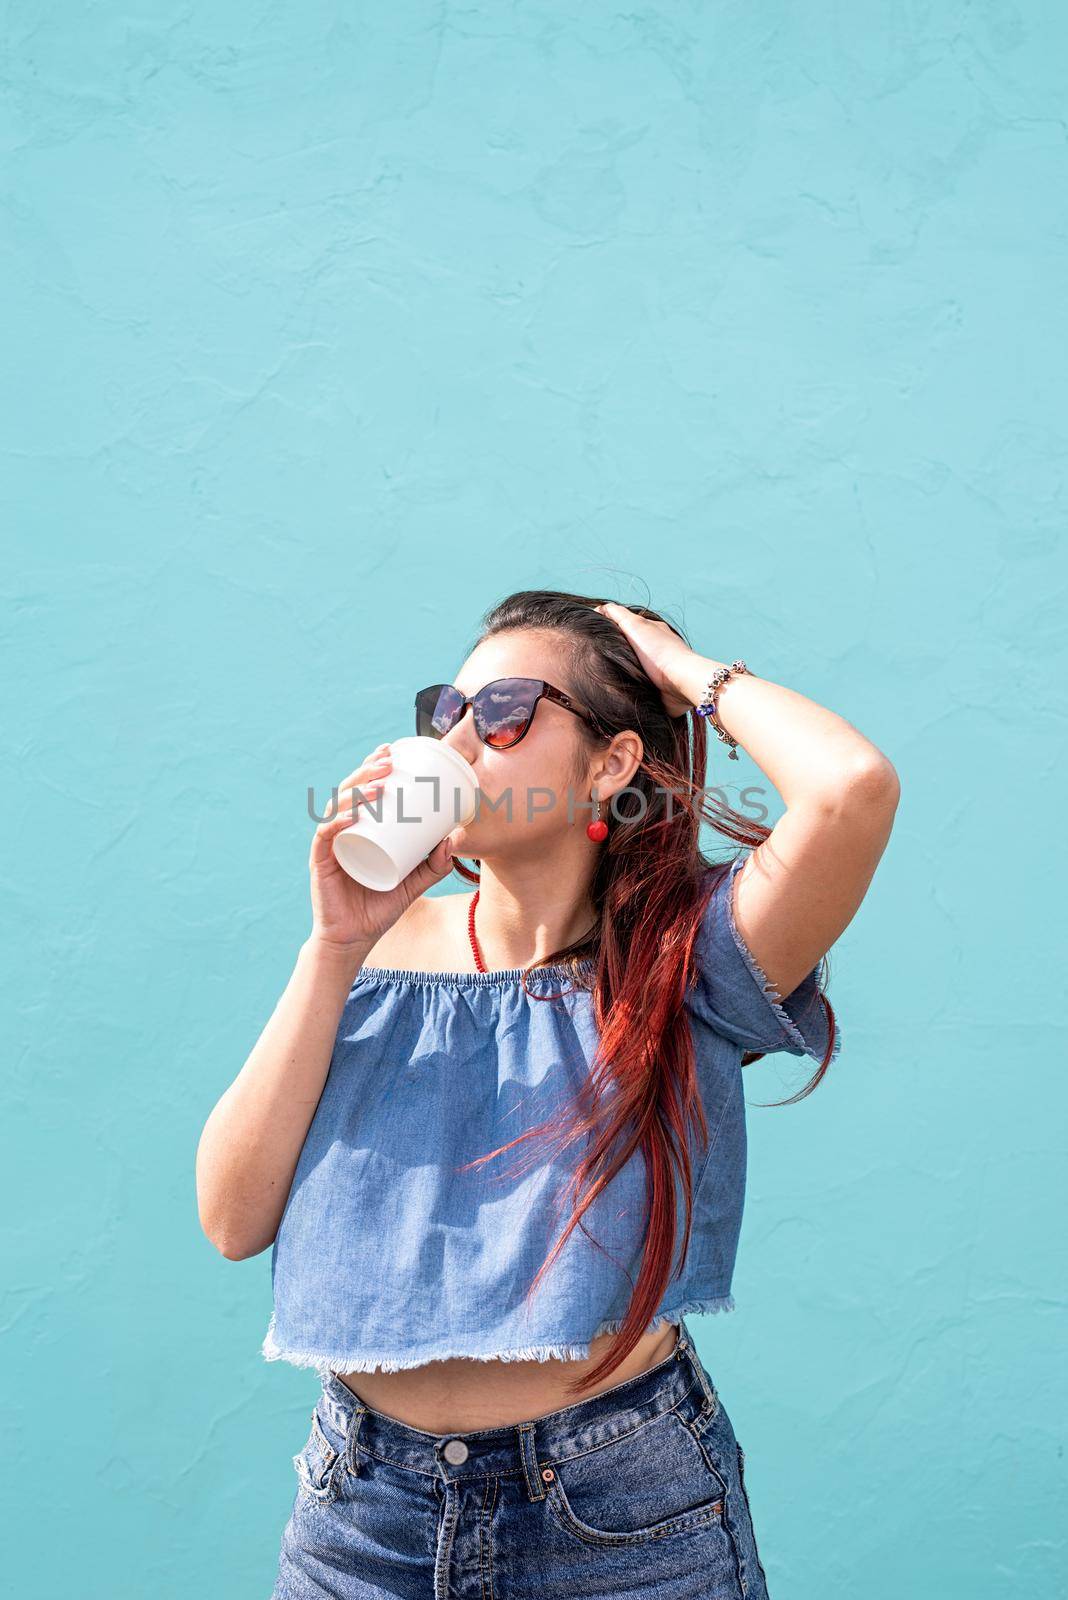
x=707 y=708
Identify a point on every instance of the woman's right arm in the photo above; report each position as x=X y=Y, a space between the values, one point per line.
x=252 y=1140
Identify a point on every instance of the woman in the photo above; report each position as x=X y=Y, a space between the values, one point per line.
x=510 y=1407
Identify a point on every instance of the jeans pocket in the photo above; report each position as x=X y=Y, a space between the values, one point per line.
x=650 y=1483
x=318 y=1465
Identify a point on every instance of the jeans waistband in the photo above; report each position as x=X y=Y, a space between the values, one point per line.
x=677 y=1383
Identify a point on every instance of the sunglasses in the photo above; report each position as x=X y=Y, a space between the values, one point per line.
x=503 y=710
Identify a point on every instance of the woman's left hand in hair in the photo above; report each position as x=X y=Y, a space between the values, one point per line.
x=659 y=649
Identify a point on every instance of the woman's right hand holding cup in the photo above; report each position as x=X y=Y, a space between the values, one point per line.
x=346 y=915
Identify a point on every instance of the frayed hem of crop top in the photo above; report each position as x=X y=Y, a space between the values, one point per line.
x=326 y=1362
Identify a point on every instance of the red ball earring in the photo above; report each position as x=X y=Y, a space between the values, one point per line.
x=597 y=830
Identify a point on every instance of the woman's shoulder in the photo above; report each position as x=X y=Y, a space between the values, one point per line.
x=426 y=937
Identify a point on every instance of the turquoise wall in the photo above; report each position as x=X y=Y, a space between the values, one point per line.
x=328 y=326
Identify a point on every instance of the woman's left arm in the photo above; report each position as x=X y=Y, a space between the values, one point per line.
x=800 y=888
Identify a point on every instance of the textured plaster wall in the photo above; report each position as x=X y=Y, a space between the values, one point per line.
x=325 y=327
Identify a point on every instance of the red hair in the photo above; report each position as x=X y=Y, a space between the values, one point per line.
x=650 y=887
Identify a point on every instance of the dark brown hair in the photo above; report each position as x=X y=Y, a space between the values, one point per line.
x=650 y=889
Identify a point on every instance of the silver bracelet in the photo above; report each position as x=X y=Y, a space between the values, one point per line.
x=707 y=708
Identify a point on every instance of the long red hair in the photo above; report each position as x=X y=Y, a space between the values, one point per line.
x=650 y=889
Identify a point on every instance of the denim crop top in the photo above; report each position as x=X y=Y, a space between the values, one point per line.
x=387 y=1258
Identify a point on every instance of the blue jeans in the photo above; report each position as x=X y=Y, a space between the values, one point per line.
x=638 y=1490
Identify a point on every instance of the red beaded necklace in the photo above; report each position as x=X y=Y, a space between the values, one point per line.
x=479 y=963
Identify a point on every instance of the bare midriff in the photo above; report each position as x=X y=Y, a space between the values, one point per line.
x=460 y=1395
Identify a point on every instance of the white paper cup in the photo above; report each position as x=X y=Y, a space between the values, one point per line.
x=430 y=791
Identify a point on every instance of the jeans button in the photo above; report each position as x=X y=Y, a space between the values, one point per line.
x=455 y=1451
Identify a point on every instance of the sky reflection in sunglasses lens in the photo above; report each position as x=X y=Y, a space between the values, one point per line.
x=502 y=710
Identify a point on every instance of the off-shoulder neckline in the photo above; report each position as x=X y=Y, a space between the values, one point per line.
x=475 y=980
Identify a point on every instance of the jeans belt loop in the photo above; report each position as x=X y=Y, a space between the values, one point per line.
x=711 y=1399
x=529 y=1457
x=352 y=1460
